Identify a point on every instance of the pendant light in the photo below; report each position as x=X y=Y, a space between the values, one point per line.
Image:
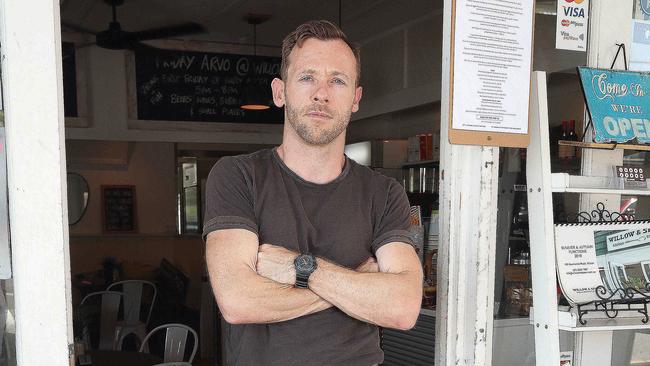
x=254 y=98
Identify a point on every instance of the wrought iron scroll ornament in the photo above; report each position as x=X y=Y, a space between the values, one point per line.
x=600 y=214
x=612 y=302
x=629 y=299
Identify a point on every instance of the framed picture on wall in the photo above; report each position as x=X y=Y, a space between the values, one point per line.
x=118 y=208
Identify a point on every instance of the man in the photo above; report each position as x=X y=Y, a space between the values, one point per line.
x=285 y=226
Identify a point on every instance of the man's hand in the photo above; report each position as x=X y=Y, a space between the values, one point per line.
x=276 y=263
x=368 y=266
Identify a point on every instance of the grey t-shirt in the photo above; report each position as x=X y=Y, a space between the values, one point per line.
x=344 y=221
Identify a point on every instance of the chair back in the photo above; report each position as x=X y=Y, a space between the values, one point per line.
x=173 y=364
x=109 y=307
x=175 y=341
x=133 y=290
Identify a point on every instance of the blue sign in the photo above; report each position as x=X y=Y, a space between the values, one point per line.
x=645 y=6
x=619 y=104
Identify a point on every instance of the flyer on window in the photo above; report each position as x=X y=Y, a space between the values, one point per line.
x=614 y=255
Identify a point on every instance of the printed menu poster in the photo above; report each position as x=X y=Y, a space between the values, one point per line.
x=613 y=255
x=492 y=65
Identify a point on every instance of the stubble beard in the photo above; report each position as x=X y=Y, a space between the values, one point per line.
x=312 y=133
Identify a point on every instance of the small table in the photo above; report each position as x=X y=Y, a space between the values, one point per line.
x=123 y=358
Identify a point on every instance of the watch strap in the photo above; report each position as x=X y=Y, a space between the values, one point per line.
x=302 y=275
x=302 y=280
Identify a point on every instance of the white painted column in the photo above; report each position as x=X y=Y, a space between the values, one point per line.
x=33 y=95
x=610 y=22
x=468 y=205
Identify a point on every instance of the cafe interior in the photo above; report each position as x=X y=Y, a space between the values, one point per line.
x=148 y=114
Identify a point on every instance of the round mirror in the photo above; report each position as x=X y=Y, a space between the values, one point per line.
x=77 y=197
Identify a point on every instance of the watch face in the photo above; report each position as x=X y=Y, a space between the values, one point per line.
x=305 y=263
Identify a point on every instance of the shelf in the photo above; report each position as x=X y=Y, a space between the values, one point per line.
x=602 y=146
x=563 y=182
x=569 y=321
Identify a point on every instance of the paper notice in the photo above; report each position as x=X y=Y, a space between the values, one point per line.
x=492 y=64
x=615 y=256
x=576 y=263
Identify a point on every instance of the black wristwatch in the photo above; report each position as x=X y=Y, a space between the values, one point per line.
x=305 y=265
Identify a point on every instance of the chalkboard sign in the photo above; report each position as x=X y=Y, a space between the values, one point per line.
x=69 y=79
x=118 y=205
x=200 y=86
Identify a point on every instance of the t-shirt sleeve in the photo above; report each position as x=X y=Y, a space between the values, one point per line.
x=394 y=223
x=228 y=198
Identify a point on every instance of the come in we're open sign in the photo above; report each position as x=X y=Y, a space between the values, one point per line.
x=618 y=103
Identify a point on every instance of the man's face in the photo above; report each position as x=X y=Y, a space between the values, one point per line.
x=320 y=91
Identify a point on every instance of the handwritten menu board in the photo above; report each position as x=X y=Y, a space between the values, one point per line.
x=175 y=85
x=118 y=208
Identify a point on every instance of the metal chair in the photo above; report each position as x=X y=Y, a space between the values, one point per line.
x=132 y=324
x=175 y=342
x=109 y=307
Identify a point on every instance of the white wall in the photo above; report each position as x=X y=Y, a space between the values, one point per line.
x=149 y=166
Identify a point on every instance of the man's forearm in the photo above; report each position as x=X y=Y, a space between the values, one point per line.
x=267 y=301
x=385 y=299
x=243 y=295
x=260 y=300
x=390 y=298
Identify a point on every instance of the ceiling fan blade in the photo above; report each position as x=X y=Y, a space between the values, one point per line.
x=167 y=32
x=139 y=46
x=77 y=28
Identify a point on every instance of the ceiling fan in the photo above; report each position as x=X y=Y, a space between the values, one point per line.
x=115 y=38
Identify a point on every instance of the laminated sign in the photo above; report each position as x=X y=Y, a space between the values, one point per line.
x=645 y=6
x=596 y=260
x=618 y=103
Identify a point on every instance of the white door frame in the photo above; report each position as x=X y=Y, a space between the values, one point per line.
x=466 y=255
x=36 y=173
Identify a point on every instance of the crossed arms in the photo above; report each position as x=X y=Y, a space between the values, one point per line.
x=254 y=283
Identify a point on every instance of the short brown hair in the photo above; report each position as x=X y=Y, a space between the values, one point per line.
x=319 y=29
